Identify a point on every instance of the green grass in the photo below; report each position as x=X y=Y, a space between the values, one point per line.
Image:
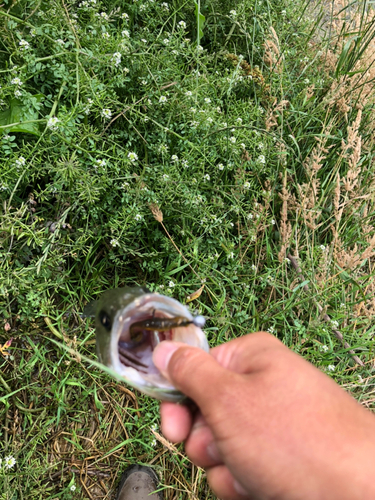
x=213 y=149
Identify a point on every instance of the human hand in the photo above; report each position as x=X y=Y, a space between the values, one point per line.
x=270 y=425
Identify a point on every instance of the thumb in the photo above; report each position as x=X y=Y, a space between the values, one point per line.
x=193 y=371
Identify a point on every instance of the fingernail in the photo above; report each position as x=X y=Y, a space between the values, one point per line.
x=163 y=353
x=213 y=452
x=239 y=488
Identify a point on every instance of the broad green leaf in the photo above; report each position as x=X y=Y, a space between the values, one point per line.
x=18 y=112
x=200 y=22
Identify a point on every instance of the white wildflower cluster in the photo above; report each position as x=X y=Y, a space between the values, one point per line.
x=17 y=93
x=233 y=14
x=331 y=368
x=246 y=185
x=324 y=348
x=8 y=463
x=261 y=159
x=116 y=59
x=271 y=329
x=206 y=177
x=114 y=243
x=210 y=120
x=53 y=123
x=103 y=15
x=33 y=32
x=125 y=34
x=16 y=81
x=322 y=247
x=138 y=217
x=20 y=162
x=60 y=42
x=125 y=16
x=87 y=4
x=24 y=45
x=3 y=187
x=182 y=25
x=174 y=158
x=132 y=156
x=162 y=99
x=207 y=100
x=185 y=163
x=189 y=93
x=106 y=113
x=106 y=35
x=165 y=177
x=220 y=166
x=100 y=163
x=171 y=284
x=164 y=6
x=87 y=108
x=232 y=140
x=73 y=487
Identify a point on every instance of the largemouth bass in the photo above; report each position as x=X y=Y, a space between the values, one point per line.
x=130 y=322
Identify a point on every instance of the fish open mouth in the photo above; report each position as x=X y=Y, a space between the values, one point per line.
x=145 y=323
x=136 y=350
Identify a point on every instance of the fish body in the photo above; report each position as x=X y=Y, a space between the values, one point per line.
x=130 y=322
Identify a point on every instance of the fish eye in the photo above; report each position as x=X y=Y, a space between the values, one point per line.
x=105 y=320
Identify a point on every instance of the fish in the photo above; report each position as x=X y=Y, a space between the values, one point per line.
x=129 y=323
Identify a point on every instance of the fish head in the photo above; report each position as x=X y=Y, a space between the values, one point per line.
x=131 y=358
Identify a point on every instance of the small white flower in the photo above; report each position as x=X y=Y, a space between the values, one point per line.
x=116 y=58
x=166 y=41
x=24 y=45
x=273 y=222
x=33 y=32
x=243 y=145
x=233 y=13
x=207 y=100
x=306 y=81
x=126 y=70
x=194 y=124
x=114 y=243
x=16 y=81
x=193 y=110
x=104 y=16
x=20 y=161
x=165 y=6
x=342 y=305
x=100 y=163
x=271 y=330
x=106 y=113
x=232 y=140
x=324 y=348
x=125 y=16
x=260 y=145
x=73 y=487
x=322 y=247
x=262 y=159
x=132 y=156
x=231 y=255
x=106 y=35
x=182 y=25
x=138 y=217
x=246 y=185
x=60 y=42
x=200 y=49
x=9 y=462
x=174 y=158
x=125 y=34
x=52 y=123
x=239 y=120
x=165 y=177
x=283 y=12
x=254 y=268
x=17 y=93
x=206 y=177
x=210 y=120
x=143 y=40
x=153 y=443
x=220 y=166
x=331 y=368
x=189 y=93
x=162 y=99
x=185 y=163
x=250 y=216
x=334 y=323
x=171 y=284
